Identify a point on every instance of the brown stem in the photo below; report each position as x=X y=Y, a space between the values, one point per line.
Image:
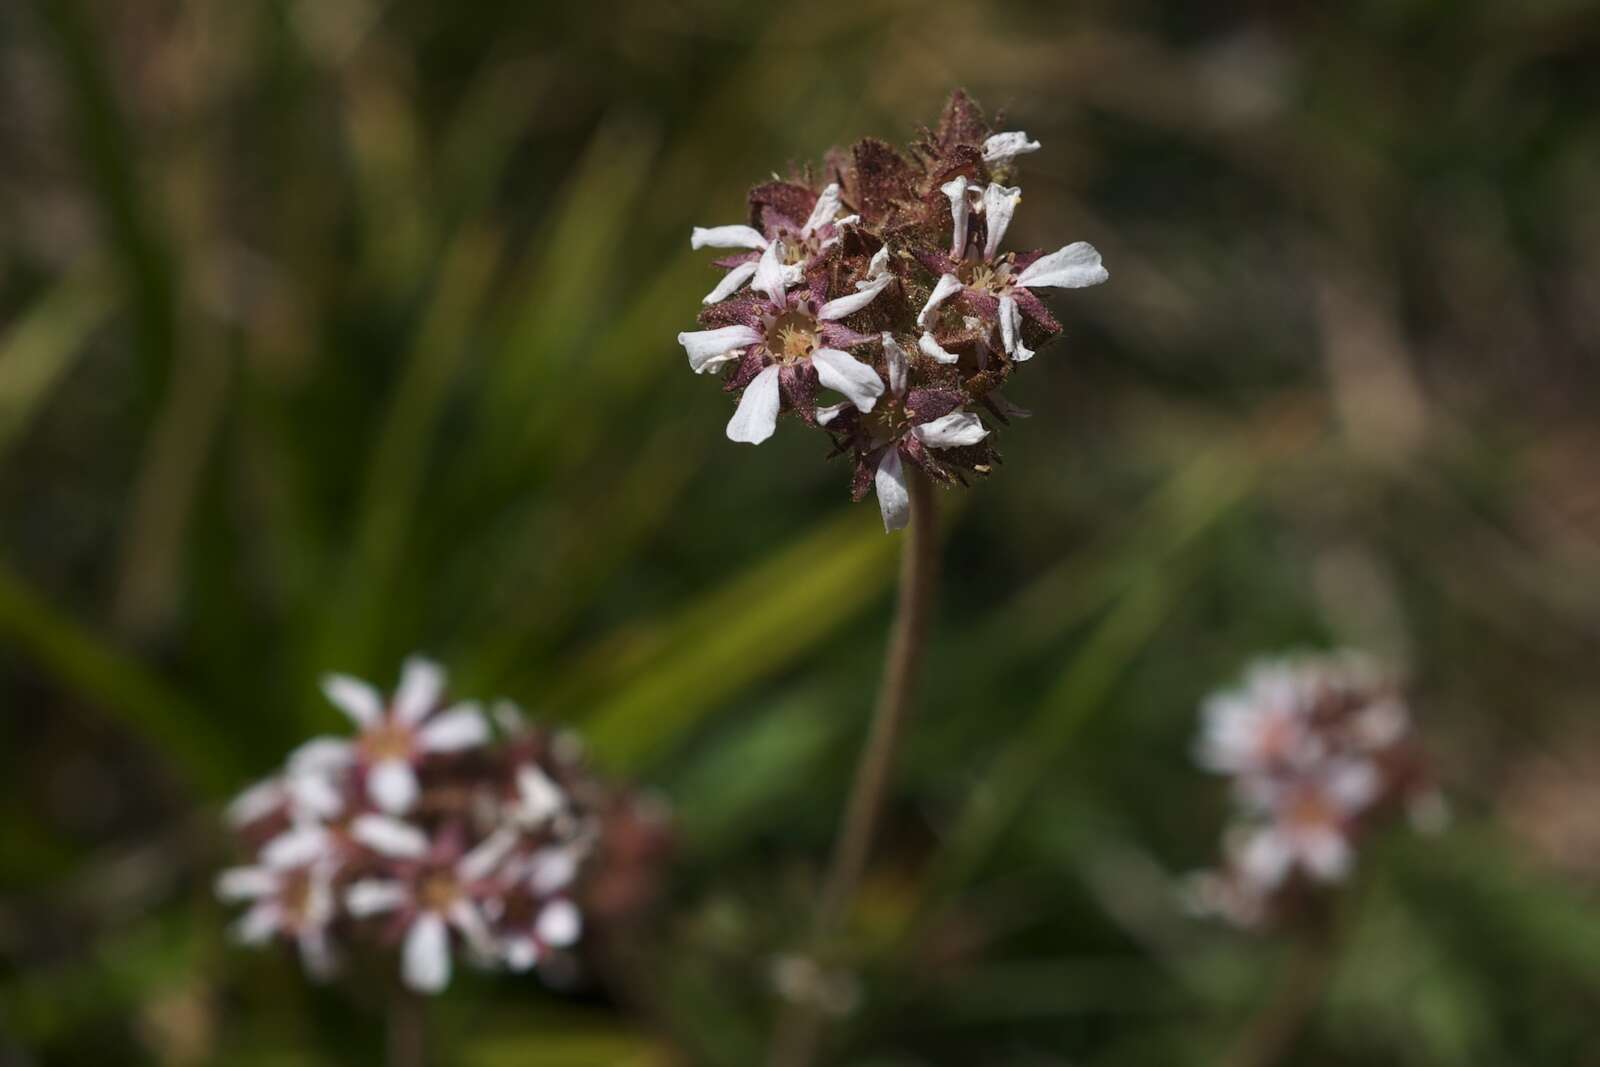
x=1271 y=1034
x=800 y=1026
x=407 y=1029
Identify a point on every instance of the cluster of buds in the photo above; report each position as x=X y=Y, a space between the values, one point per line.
x=430 y=830
x=888 y=287
x=1320 y=752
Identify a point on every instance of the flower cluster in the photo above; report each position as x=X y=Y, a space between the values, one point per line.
x=428 y=829
x=887 y=286
x=1320 y=750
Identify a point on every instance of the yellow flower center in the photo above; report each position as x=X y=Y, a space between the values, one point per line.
x=792 y=337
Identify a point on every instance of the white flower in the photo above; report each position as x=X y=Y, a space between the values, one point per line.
x=394 y=739
x=438 y=898
x=955 y=429
x=1310 y=826
x=293 y=900
x=789 y=252
x=302 y=793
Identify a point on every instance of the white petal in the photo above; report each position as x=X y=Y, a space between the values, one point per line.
x=259 y=924
x=559 y=924
x=894 y=500
x=321 y=755
x=731 y=283
x=297 y=847
x=771 y=277
x=956 y=429
x=392 y=785
x=425 y=962
x=1004 y=147
x=538 y=798
x=454 y=729
x=246 y=883
x=999 y=204
x=849 y=305
x=257 y=802
x=827 y=414
x=726 y=237
x=508 y=716
x=421 y=684
x=877 y=269
x=935 y=351
x=846 y=374
x=826 y=208
x=389 y=836
x=465 y=916
x=374 y=897
x=757 y=415
x=316 y=955
x=956 y=190
x=1352 y=785
x=948 y=286
x=552 y=869
x=315 y=794
x=896 y=358
x=486 y=856
x=1071 y=267
x=520 y=953
x=1008 y=323
x=1326 y=854
x=355 y=698
x=1265 y=859
x=712 y=348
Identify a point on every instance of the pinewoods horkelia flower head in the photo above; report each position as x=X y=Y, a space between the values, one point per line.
x=431 y=832
x=1320 y=752
x=882 y=281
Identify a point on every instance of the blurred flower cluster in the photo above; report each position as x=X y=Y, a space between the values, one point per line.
x=889 y=288
x=431 y=830
x=1320 y=750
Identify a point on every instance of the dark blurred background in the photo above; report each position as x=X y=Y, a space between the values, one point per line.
x=335 y=329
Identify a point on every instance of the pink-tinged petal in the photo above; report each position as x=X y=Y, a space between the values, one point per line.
x=849 y=305
x=246 y=883
x=999 y=204
x=392 y=785
x=757 y=414
x=955 y=430
x=259 y=925
x=560 y=924
x=771 y=277
x=322 y=755
x=1353 y=785
x=1072 y=267
x=895 y=357
x=315 y=794
x=956 y=190
x=894 y=499
x=421 y=685
x=425 y=958
x=376 y=897
x=845 y=374
x=949 y=285
x=731 y=283
x=726 y=237
x=822 y=213
x=454 y=729
x=708 y=349
x=298 y=846
x=389 y=836
x=935 y=351
x=355 y=698
x=1002 y=148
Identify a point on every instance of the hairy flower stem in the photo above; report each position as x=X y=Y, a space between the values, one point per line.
x=799 y=1028
x=1270 y=1037
x=407 y=1029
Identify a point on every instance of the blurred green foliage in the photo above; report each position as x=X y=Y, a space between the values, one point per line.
x=334 y=329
